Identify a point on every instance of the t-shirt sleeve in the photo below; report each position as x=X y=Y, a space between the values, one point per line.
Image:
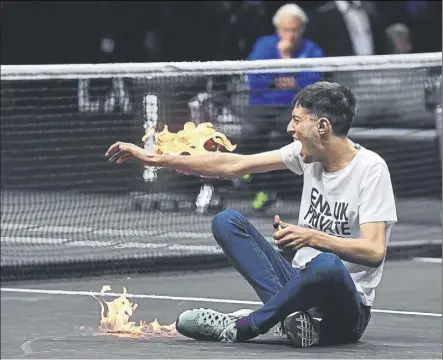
x=291 y=157
x=377 y=201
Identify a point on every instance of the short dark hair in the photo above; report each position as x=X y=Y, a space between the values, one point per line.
x=329 y=100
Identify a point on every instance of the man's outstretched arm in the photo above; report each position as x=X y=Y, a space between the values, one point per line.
x=224 y=165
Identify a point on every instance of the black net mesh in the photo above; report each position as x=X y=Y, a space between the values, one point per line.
x=66 y=210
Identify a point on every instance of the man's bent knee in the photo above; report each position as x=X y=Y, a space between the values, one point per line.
x=225 y=220
x=226 y=217
x=329 y=264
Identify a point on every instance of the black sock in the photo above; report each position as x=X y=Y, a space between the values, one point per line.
x=244 y=330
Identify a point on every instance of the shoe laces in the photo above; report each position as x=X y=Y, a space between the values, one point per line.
x=229 y=334
x=279 y=329
x=215 y=321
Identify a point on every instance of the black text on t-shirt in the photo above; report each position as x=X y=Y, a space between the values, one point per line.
x=321 y=216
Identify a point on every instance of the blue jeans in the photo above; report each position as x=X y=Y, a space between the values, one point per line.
x=323 y=287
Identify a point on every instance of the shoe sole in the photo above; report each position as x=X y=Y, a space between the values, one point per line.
x=300 y=330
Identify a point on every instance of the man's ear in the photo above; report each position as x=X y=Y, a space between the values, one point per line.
x=324 y=126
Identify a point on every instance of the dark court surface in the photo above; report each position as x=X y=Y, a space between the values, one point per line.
x=42 y=325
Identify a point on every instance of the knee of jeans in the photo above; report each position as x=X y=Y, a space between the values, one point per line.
x=224 y=219
x=331 y=264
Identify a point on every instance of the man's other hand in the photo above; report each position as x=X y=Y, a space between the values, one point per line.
x=289 y=236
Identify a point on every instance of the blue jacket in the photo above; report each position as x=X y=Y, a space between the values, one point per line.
x=260 y=85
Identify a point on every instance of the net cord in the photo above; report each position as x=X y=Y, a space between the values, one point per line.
x=133 y=70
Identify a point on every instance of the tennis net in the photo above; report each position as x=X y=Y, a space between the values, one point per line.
x=66 y=210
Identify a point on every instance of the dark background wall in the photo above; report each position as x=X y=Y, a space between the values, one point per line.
x=42 y=32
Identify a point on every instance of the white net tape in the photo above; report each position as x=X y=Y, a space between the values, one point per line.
x=350 y=63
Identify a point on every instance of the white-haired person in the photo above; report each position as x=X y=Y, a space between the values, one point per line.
x=271 y=95
x=347 y=213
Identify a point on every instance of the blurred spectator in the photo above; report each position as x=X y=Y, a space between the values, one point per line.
x=288 y=42
x=398 y=39
x=422 y=18
x=271 y=95
x=346 y=28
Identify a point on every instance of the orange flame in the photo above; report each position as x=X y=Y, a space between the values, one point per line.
x=192 y=140
x=115 y=315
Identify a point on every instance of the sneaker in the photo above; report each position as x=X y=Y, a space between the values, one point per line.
x=209 y=325
x=302 y=330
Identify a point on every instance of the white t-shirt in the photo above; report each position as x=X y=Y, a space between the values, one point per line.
x=337 y=203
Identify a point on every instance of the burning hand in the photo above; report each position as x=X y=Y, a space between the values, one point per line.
x=192 y=140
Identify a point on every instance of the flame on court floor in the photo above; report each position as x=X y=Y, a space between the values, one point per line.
x=115 y=320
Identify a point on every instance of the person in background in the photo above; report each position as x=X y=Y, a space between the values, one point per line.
x=422 y=18
x=271 y=95
x=348 y=28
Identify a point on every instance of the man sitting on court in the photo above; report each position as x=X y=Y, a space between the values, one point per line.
x=346 y=217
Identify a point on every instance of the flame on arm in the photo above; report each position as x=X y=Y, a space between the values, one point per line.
x=192 y=140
